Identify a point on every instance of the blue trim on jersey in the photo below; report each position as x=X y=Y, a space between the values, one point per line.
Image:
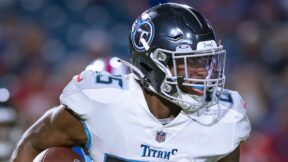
x=120 y=159
x=88 y=134
x=78 y=151
x=85 y=157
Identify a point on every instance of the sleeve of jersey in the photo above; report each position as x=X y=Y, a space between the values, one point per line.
x=73 y=96
x=243 y=126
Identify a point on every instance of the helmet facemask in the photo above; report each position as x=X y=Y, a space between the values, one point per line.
x=194 y=78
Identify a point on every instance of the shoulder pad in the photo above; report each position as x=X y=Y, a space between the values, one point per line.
x=237 y=113
x=90 y=87
x=233 y=100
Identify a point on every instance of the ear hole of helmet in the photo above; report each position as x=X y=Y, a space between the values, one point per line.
x=145 y=67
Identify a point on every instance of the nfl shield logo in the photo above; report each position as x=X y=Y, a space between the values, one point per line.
x=160 y=136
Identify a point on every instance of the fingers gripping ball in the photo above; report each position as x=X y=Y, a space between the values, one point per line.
x=58 y=154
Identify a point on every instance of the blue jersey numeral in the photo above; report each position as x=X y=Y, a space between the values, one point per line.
x=112 y=158
x=226 y=97
x=110 y=79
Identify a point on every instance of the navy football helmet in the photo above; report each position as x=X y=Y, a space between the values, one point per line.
x=175 y=55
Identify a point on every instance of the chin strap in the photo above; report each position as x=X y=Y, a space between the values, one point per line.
x=139 y=75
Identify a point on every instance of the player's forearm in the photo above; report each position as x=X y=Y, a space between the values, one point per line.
x=25 y=151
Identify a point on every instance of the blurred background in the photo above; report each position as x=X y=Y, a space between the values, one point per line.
x=43 y=43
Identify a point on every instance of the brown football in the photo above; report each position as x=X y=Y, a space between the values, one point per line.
x=58 y=154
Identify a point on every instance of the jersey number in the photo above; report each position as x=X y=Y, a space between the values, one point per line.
x=226 y=97
x=111 y=79
x=112 y=158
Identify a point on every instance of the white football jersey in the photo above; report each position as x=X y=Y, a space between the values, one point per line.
x=120 y=127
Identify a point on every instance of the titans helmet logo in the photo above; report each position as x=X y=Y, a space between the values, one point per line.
x=142 y=28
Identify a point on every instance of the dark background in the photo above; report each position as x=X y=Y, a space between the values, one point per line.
x=43 y=43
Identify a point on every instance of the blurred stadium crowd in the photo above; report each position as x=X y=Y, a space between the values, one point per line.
x=43 y=43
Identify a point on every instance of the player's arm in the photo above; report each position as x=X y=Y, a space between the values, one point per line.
x=232 y=157
x=57 y=127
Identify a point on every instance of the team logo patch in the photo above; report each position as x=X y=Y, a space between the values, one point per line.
x=142 y=28
x=160 y=136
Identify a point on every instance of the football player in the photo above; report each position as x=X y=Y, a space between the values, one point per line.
x=172 y=107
